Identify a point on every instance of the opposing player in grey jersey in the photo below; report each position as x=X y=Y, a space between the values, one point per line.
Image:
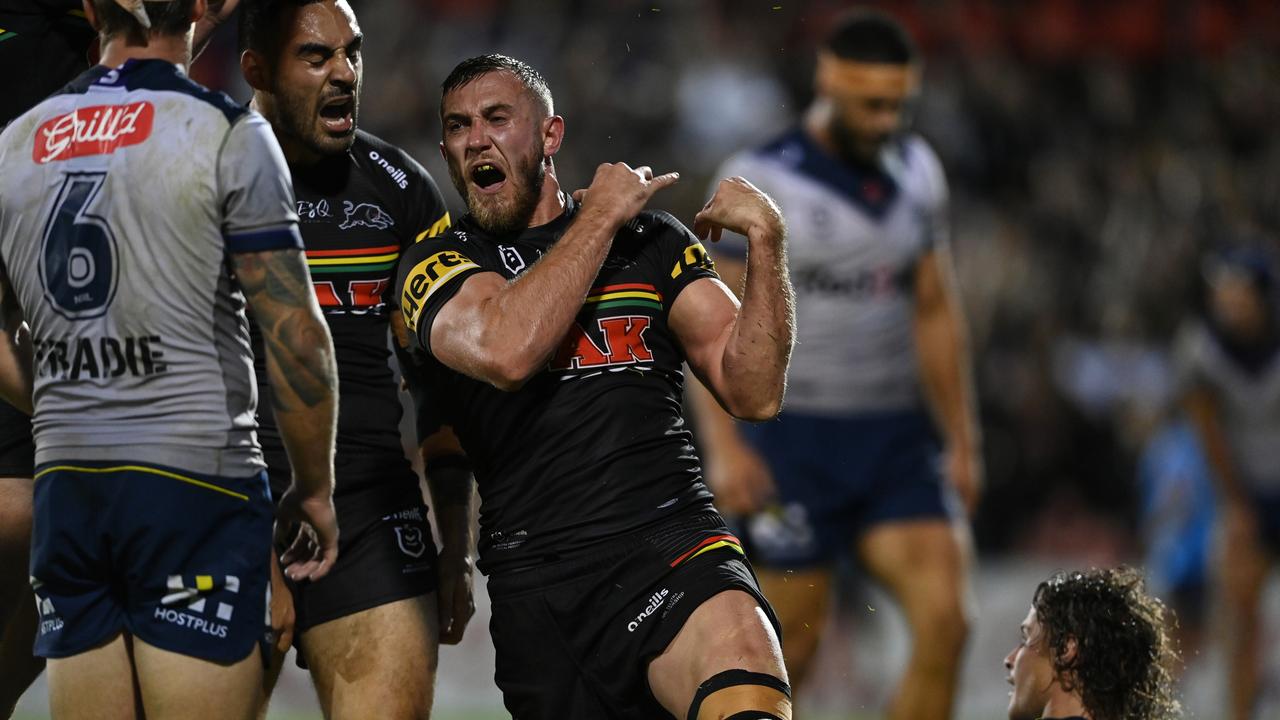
x=852 y=463
x=1229 y=371
x=139 y=212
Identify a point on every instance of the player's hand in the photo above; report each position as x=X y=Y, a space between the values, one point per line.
x=282 y=614
x=218 y=12
x=308 y=530
x=738 y=206
x=457 y=603
x=964 y=471
x=741 y=480
x=621 y=192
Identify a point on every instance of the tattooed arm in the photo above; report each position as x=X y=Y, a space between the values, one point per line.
x=15 y=349
x=303 y=377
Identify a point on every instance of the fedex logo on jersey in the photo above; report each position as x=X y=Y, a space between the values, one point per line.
x=624 y=344
x=97 y=130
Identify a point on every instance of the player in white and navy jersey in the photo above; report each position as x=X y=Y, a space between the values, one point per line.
x=139 y=212
x=52 y=41
x=879 y=375
x=1229 y=373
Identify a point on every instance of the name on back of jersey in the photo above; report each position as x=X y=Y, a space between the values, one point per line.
x=97 y=130
x=87 y=358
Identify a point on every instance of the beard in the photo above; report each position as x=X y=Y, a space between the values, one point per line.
x=298 y=118
x=855 y=149
x=498 y=215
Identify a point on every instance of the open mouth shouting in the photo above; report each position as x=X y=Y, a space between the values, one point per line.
x=487 y=178
x=337 y=115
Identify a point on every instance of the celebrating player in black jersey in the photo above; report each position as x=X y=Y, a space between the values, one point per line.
x=369 y=631
x=553 y=334
x=52 y=42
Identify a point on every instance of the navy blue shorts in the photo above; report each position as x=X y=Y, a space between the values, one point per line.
x=837 y=477
x=176 y=559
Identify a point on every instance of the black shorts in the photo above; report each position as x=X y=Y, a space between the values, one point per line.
x=17 y=449
x=385 y=553
x=574 y=638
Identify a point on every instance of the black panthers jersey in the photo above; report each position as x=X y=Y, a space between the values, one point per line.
x=44 y=44
x=357 y=212
x=595 y=445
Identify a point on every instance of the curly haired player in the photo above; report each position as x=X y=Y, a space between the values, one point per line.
x=1094 y=646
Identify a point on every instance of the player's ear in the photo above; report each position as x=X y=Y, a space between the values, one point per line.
x=90 y=14
x=254 y=68
x=552 y=135
x=198 y=10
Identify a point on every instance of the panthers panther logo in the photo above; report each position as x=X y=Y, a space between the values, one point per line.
x=366 y=214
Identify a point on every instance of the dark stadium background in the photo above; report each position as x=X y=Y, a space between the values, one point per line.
x=1096 y=149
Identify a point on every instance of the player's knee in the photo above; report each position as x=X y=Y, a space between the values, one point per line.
x=741 y=695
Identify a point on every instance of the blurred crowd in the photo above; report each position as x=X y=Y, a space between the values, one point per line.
x=1096 y=152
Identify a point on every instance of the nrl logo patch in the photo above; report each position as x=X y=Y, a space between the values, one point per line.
x=366 y=214
x=511 y=259
x=409 y=538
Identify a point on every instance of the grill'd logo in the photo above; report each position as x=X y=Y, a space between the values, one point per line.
x=97 y=130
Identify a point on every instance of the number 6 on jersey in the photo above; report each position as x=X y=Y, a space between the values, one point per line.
x=77 y=262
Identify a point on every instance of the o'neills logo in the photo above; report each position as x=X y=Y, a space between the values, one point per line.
x=655 y=602
x=97 y=130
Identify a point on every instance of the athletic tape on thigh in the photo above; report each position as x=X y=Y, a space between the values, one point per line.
x=731 y=678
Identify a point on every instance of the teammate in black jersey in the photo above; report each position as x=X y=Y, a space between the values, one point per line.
x=50 y=42
x=553 y=334
x=369 y=631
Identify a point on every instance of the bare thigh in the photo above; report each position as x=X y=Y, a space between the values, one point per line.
x=730 y=631
x=384 y=657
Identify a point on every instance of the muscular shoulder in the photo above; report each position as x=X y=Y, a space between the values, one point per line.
x=456 y=246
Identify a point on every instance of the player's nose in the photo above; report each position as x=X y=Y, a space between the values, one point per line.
x=344 y=71
x=477 y=136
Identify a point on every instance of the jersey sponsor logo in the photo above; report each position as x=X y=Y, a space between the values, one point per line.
x=399 y=176
x=195 y=613
x=879 y=282
x=363 y=296
x=695 y=256
x=425 y=278
x=50 y=621
x=97 y=130
x=655 y=602
x=99 y=358
x=319 y=210
x=624 y=344
x=366 y=214
x=511 y=259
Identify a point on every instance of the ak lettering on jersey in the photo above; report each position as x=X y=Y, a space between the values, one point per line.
x=594 y=445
